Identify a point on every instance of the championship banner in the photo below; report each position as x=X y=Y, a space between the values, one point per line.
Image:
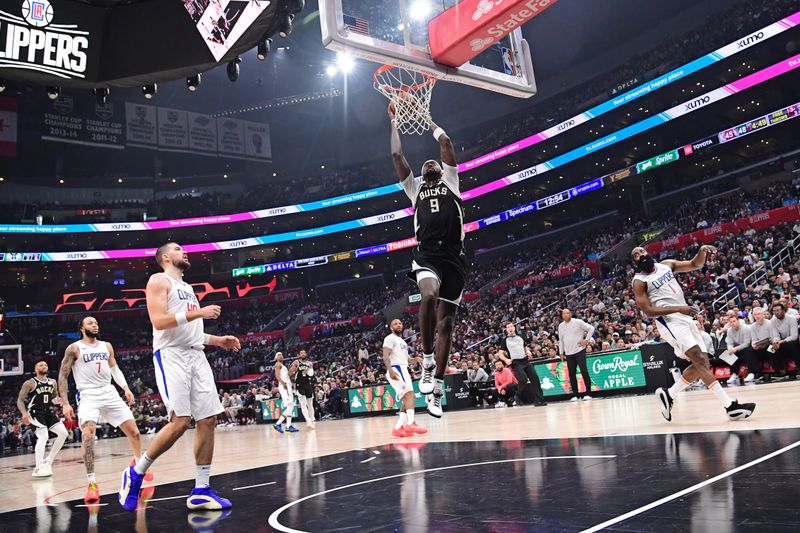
x=223 y=22
x=8 y=126
x=230 y=135
x=614 y=371
x=141 y=125
x=173 y=129
x=202 y=133
x=79 y=119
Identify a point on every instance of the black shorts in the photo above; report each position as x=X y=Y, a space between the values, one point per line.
x=45 y=419
x=448 y=263
x=305 y=389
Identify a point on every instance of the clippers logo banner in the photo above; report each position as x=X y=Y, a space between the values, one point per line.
x=31 y=40
x=222 y=22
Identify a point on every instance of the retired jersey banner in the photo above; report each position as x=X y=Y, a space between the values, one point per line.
x=8 y=126
x=79 y=119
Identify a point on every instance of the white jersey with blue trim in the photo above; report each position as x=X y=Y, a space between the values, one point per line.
x=662 y=287
x=180 y=299
x=399 y=347
x=91 y=370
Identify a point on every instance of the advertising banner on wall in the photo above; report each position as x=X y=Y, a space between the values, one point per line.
x=613 y=371
x=381 y=399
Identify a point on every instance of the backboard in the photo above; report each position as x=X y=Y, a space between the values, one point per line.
x=11 y=360
x=395 y=32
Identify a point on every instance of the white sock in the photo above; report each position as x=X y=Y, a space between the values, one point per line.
x=677 y=387
x=401 y=420
x=61 y=438
x=143 y=464
x=280 y=420
x=288 y=421
x=720 y=393
x=41 y=444
x=90 y=478
x=202 y=478
x=438 y=386
x=427 y=360
x=410 y=416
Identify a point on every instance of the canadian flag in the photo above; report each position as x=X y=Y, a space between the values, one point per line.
x=8 y=127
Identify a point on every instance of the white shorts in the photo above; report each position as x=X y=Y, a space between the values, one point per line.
x=186 y=383
x=681 y=333
x=287 y=397
x=102 y=404
x=402 y=386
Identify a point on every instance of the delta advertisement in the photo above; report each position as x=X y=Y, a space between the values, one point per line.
x=608 y=372
x=380 y=399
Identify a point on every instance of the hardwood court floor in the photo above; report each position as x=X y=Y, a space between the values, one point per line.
x=563 y=467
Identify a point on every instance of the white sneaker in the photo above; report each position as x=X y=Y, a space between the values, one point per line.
x=43 y=470
x=426 y=381
x=587 y=398
x=733 y=380
x=499 y=404
x=749 y=378
x=574 y=399
x=435 y=404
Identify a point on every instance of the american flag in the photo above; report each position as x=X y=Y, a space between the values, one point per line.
x=358 y=25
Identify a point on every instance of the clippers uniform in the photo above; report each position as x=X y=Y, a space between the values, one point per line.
x=287 y=394
x=183 y=375
x=679 y=330
x=399 y=362
x=439 y=229
x=97 y=398
x=39 y=403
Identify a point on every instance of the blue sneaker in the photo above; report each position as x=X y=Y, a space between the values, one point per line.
x=292 y=429
x=207 y=521
x=278 y=428
x=206 y=499
x=131 y=487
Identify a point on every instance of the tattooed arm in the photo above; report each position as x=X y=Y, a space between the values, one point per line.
x=70 y=355
x=27 y=387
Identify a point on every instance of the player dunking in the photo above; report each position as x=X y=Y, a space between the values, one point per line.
x=34 y=403
x=396 y=359
x=439 y=264
x=184 y=377
x=92 y=363
x=659 y=295
x=287 y=395
x=302 y=371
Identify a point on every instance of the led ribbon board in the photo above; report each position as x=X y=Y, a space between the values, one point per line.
x=679 y=73
x=685 y=108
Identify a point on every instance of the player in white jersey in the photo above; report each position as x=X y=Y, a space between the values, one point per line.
x=92 y=364
x=287 y=395
x=184 y=377
x=396 y=359
x=660 y=296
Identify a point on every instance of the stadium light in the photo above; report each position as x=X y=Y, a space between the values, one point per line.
x=345 y=63
x=420 y=10
x=101 y=95
x=53 y=92
x=264 y=47
x=193 y=82
x=149 y=91
x=233 y=68
x=331 y=70
x=286 y=25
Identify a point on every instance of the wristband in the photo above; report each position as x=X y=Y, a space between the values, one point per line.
x=438 y=132
x=207 y=339
x=181 y=319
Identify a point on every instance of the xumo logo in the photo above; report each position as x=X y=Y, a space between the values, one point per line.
x=565 y=125
x=121 y=226
x=387 y=216
x=237 y=244
x=699 y=102
x=78 y=255
x=277 y=211
x=59 y=50
x=752 y=39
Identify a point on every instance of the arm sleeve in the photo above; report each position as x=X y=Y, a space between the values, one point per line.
x=411 y=188
x=450 y=178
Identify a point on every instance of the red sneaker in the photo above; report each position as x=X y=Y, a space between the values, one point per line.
x=414 y=428
x=92 y=494
x=401 y=432
x=148 y=476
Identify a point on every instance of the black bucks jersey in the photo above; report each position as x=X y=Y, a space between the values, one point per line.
x=438 y=212
x=439 y=228
x=304 y=383
x=39 y=403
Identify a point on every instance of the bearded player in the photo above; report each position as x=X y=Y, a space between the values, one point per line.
x=660 y=296
x=439 y=264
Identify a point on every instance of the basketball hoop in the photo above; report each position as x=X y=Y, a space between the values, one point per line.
x=410 y=92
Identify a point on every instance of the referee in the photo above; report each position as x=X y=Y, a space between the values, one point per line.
x=514 y=346
x=573 y=335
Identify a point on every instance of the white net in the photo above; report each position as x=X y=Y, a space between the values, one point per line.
x=410 y=92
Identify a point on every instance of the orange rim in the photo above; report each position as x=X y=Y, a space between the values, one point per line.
x=429 y=80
